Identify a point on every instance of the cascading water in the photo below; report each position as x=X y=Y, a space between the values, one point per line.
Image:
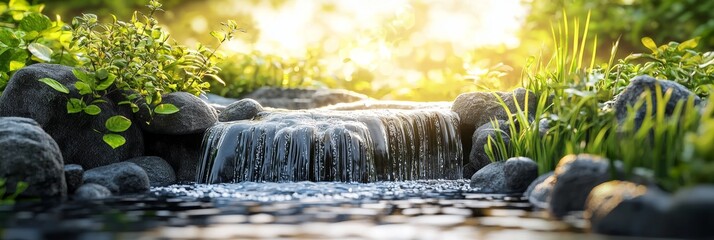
x=347 y=146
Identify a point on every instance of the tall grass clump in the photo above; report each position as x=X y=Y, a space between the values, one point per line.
x=573 y=113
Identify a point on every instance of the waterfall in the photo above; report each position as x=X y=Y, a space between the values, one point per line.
x=324 y=145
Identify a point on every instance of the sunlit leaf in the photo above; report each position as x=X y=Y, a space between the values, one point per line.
x=83 y=88
x=117 y=123
x=649 y=44
x=92 y=110
x=40 y=51
x=114 y=140
x=54 y=84
x=75 y=105
x=166 y=108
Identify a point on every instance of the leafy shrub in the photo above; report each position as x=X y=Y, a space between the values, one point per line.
x=138 y=59
x=27 y=36
x=675 y=61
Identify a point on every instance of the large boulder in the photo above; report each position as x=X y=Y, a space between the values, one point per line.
x=575 y=176
x=119 y=178
x=75 y=134
x=510 y=176
x=241 y=110
x=639 y=85
x=159 y=171
x=478 y=157
x=194 y=116
x=28 y=154
x=627 y=209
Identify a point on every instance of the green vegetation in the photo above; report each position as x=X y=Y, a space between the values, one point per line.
x=27 y=36
x=9 y=199
x=572 y=95
x=137 y=59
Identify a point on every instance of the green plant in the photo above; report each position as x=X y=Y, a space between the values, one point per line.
x=10 y=198
x=137 y=59
x=27 y=36
x=675 y=61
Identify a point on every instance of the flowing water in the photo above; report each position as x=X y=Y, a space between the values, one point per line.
x=346 y=146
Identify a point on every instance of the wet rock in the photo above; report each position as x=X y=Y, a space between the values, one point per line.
x=510 y=176
x=28 y=154
x=575 y=176
x=194 y=116
x=295 y=98
x=75 y=134
x=73 y=174
x=159 y=171
x=182 y=152
x=478 y=108
x=469 y=170
x=89 y=191
x=478 y=157
x=538 y=192
x=627 y=209
x=640 y=84
x=692 y=213
x=244 y=109
x=119 y=178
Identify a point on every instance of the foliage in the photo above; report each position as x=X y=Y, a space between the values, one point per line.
x=136 y=59
x=27 y=36
x=679 y=62
x=572 y=117
x=9 y=199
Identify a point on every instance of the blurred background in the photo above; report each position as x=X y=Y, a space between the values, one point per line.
x=424 y=50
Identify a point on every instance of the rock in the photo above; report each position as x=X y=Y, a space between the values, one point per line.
x=478 y=157
x=692 y=213
x=469 y=170
x=296 y=98
x=575 y=176
x=28 y=154
x=73 y=174
x=640 y=84
x=75 y=134
x=89 y=191
x=478 y=108
x=119 y=178
x=159 y=171
x=244 y=109
x=510 y=176
x=182 y=152
x=628 y=209
x=538 y=192
x=194 y=116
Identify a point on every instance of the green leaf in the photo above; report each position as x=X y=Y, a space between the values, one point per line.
x=107 y=82
x=83 y=88
x=166 y=108
x=649 y=43
x=54 y=84
x=218 y=35
x=35 y=22
x=92 y=110
x=84 y=76
x=75 y=105
x=117 y=123
x=689 y=44
x=40 y=51
x=102 y=74
x=114 y=140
